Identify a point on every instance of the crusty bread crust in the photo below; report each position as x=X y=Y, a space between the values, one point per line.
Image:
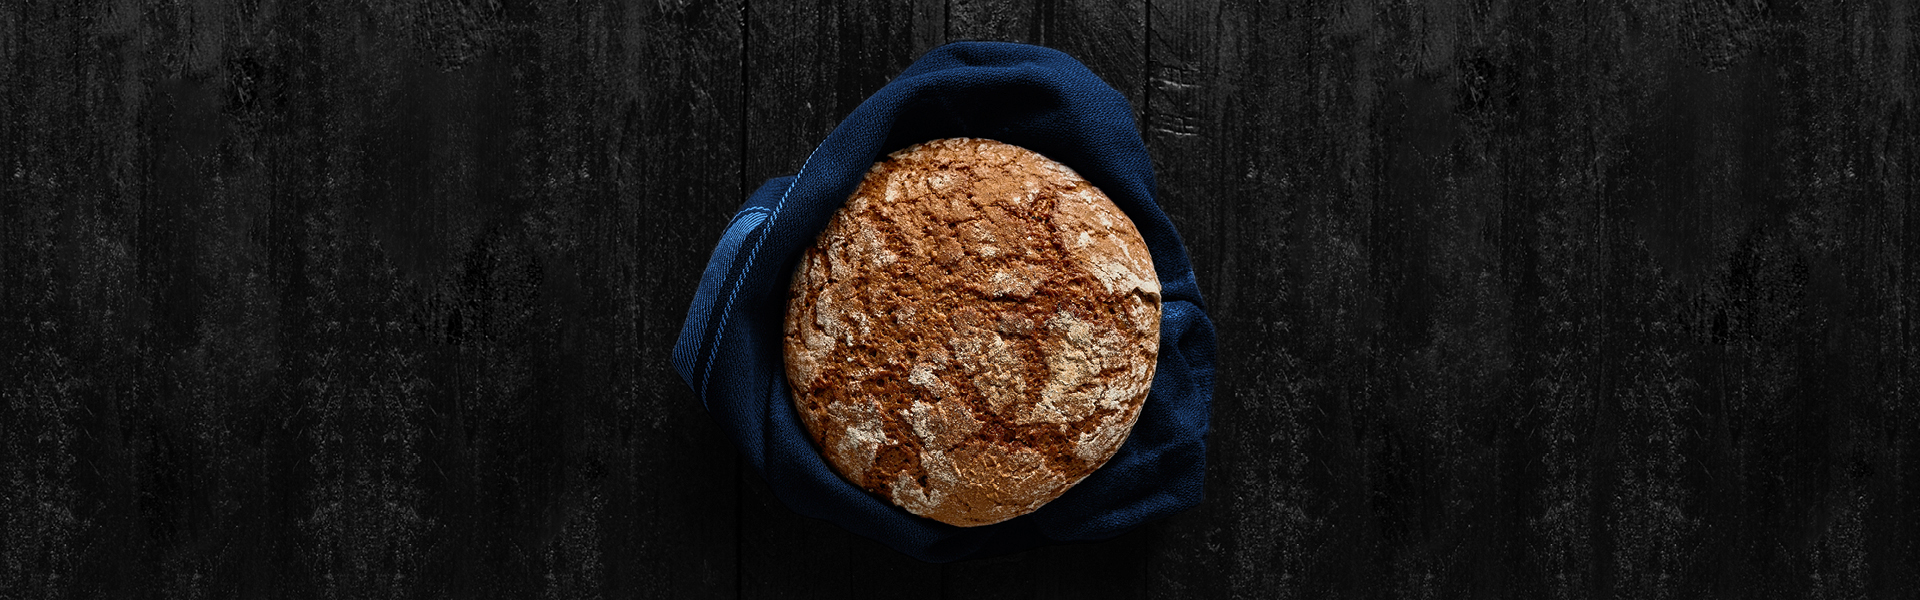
x=974 y=331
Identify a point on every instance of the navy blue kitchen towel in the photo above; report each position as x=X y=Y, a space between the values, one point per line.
x=729 y=351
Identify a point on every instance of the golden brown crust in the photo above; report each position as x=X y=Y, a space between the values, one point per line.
x=973 y=332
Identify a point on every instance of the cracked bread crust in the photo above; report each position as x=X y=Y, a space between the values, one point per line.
x=973 y=332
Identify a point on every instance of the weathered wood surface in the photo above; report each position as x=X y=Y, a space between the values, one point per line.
x=348 y=299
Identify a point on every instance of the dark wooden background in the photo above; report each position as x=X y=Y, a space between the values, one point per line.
x=1515 y=299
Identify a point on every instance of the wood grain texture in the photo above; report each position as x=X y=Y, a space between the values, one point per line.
x=1108 y=36
x=1502 y=280
x=371 y=299
x=376 y=299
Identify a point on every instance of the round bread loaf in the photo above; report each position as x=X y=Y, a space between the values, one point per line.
x=974 y=331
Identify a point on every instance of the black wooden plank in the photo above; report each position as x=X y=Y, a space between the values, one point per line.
x=1109 y=36
x=1234 y=179
x=324 y=299
x=1777 y=200
x=644 y=108
x=808 y=65
x=362 y=301
x=1528 y=301
x=69 y=215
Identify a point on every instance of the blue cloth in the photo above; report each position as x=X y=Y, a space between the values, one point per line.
x=729 y=351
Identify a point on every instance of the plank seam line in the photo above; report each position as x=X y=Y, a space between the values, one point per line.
x=739 y=463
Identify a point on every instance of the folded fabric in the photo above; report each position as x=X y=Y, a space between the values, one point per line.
x=730 y=349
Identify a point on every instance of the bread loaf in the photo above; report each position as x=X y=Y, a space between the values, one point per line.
x=974 y=331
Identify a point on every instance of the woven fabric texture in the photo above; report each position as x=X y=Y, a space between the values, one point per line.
x=729 y=350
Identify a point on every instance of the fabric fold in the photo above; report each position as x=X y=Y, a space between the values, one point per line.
x=729 y=350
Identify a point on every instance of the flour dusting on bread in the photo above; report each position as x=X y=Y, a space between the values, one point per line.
x=973 y=333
